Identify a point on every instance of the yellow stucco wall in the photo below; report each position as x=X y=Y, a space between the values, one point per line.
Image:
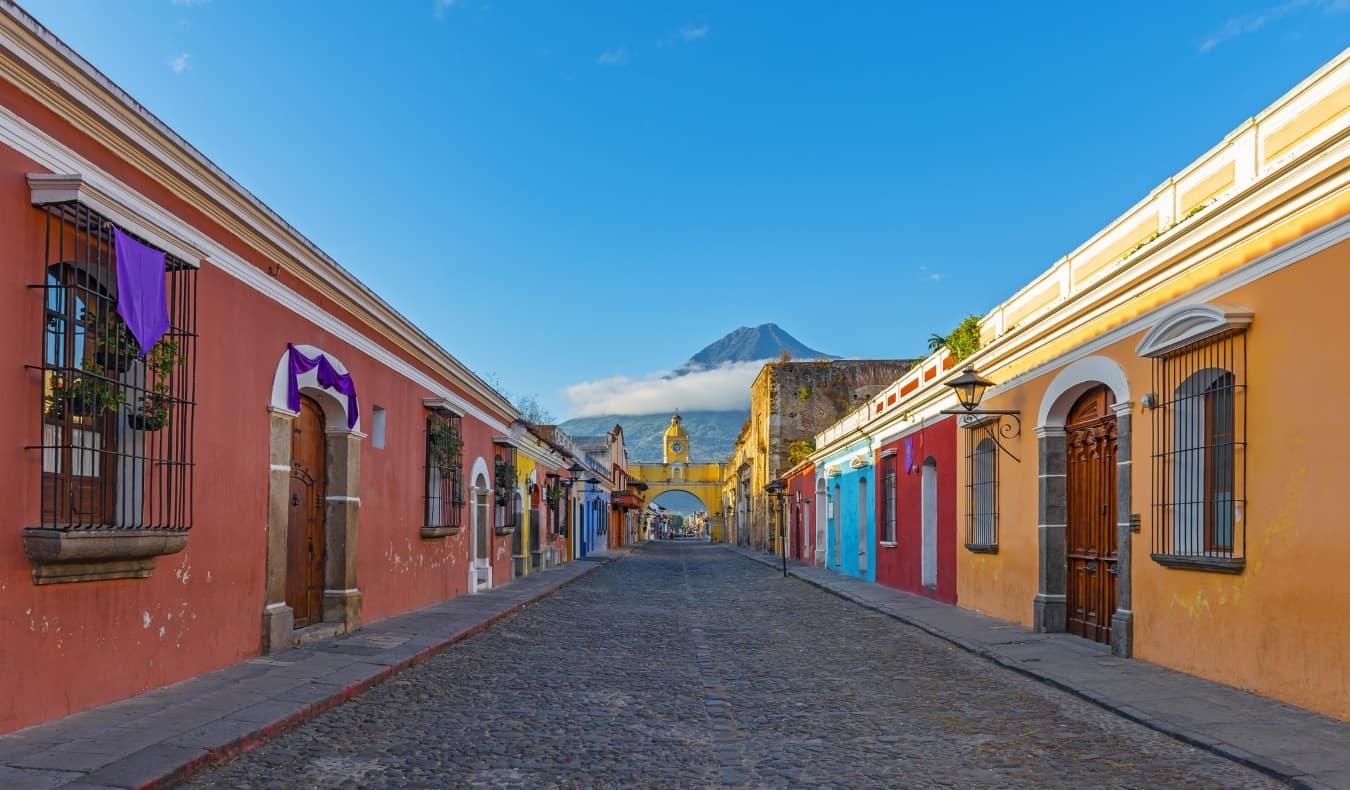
x=524 y=466
x=1278 y=627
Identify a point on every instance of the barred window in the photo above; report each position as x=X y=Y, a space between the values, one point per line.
x=444 y=471
x=982 y=494
x=117 y=420
x=1199 y=459
x=888 y=499
x=508 y=504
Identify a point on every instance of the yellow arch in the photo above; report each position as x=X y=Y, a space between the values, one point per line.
x=703 y=481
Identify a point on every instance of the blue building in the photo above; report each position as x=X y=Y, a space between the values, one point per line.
x=850 y=510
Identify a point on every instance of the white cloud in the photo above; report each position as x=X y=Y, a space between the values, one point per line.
x=180 y=63
x=715 y=389
x=1250 y=23
x=439 y=7
x=929 y=274
x=693 y=33
x=613 y=57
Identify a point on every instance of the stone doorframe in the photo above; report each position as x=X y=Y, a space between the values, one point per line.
x=342 y=509
x=1051 y=603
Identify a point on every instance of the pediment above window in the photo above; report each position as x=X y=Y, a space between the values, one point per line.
x=1191 y=324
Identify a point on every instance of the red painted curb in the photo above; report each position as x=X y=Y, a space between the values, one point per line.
x=247 y=743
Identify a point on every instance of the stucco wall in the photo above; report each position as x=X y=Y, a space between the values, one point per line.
x=900 y=565
x=1277 y=627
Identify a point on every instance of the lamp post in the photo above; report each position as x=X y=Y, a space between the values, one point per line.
x=775 y=489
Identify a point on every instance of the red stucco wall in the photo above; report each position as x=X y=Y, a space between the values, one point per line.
x=900 y=566
x=67 y=647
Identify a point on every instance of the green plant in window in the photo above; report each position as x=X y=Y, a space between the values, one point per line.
x=445 y=444
x=504 y=481
x=154 y=408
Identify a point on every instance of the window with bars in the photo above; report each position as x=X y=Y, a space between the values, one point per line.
x=1199 y=458
x=888 y=499
x=117 y=420
x=981 y=492
x=507 y=502
x=444 y=471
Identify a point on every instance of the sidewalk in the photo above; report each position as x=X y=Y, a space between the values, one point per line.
x=1300 y=747
x=162 y=736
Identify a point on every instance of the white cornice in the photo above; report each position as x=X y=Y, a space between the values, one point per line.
x=1190 y=324
x=159 y=225
x=43 y=66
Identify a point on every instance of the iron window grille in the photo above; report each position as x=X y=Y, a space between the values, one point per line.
x=981 y=493
x=1200 y=454
x=117 y=426
x=888 y=502
x=508 y=505
x=444 y=470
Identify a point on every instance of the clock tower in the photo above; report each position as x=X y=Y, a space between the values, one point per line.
x=677 y=442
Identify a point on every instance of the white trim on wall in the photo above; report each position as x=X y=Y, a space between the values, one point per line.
x=160 y=226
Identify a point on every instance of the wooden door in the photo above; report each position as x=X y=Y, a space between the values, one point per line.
x=1091 y=533
x=305 y=544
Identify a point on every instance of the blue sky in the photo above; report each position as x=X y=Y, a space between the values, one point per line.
x=574 y=192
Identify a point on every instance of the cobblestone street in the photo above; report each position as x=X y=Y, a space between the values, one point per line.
x=688 y=666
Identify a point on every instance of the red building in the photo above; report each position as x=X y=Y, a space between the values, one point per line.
x=916 y=511
x=801 y=512
x=290 y=459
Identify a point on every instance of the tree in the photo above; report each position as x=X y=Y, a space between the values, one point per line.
x=532 y=411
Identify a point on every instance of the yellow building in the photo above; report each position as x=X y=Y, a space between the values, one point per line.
x=1169 y=479
x=676 y=473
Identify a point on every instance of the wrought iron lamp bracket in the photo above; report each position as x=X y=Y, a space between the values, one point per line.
x=988 y=419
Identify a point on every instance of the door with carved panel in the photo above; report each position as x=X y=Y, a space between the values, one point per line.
x=305 y=544
x=1091 y=533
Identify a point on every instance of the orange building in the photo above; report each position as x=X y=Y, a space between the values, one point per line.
x=1157 y=465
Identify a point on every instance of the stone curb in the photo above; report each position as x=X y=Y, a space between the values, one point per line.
x=1264 y=764
x=247 y=743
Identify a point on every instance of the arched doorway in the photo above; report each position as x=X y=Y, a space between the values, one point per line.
x=821 y=507
x=306 y=543
x=836 y=528
x=863 y=542
x=928 y=495
x=1084 y=505
x=314 y=506
x=1090 y=536
x=480 y=573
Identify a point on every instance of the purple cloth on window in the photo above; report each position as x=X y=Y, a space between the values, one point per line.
x=909 y=454
x=329 y=378
x=140 y=290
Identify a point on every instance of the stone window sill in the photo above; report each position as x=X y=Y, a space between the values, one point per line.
x=501 y=531
x=1214 y=564
x=85 y=555
x=888 y=544
x=433 y=533
x=982 y=548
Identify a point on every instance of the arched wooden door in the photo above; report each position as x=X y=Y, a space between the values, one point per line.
x=1091 y=533
x=306 y=548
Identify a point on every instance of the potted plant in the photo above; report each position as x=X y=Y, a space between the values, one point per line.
x=155 y=406
x=115 y=348
x=445 y=447
x=88 y=395
x=504 y=480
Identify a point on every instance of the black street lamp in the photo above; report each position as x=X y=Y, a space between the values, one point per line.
x=776 y=489
x=970 y=388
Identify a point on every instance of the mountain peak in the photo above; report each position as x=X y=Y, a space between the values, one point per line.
x=746 y=344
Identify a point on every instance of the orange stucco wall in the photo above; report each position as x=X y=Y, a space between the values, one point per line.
x=1278 y=627
x=67 y=647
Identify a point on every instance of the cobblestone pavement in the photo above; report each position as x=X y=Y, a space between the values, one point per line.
x=688 y=666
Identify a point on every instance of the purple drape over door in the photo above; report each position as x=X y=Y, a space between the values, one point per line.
x=140 y=290
x=329 y=378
